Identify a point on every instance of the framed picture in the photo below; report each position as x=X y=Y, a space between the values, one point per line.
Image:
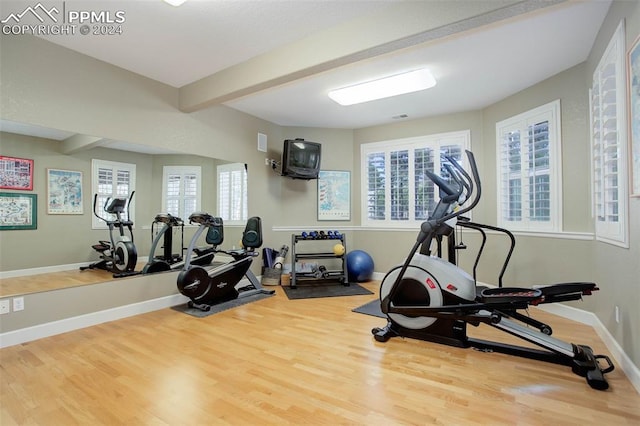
x=64 y=192
x=18 y=211
x=633 y=71
x=334 y=195
x=16 y=173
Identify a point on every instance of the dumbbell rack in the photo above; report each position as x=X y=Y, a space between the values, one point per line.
x=317 y=276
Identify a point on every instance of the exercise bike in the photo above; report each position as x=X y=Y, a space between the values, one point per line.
x=168 y=258
x=170 y=261
x=215 y=286
x=118 y=255
x=431 y=299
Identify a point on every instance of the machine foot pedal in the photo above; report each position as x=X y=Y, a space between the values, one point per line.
x=510 y=295
x=586 y=364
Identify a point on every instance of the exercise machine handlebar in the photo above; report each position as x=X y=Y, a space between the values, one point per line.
x=114 y=206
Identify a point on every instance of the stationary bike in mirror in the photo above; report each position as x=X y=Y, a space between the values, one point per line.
x=431 y=299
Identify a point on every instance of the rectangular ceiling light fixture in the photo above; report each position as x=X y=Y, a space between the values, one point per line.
x=175 y=2
x=399 y=84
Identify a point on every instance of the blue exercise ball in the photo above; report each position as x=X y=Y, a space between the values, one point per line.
x=359 y=266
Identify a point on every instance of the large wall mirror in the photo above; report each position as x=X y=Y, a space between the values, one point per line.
x=62 y=240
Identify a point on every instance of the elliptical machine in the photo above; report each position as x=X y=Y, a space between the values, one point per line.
x=208 y=288
x=431 y=299
x=117 y=255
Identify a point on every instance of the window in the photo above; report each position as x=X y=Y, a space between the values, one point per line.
x=529 y=170
x=609 y=143
x=111 y=180
x=181 y=190
x=232 y=193
x=396 y=191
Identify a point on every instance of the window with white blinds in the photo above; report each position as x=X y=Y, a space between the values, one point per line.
x=181 y=194
x=111 y=180
x=609 y=143
x=529 y=170
x=232 y=193
x=396 y=191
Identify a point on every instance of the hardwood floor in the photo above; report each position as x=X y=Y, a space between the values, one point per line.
x=35 y=283
x=280 y=361
x=51 y=281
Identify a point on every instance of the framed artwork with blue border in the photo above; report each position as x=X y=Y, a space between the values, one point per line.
x=64 y=192
x=334 y=195
x=18 y=211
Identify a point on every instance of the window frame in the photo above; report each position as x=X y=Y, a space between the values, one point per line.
x=433 y=141
x=230 y=168
x=96 y=165
x=182 y=171
x=550 y=112
x=607 y=231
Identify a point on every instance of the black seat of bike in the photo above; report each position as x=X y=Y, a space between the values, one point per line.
x=252 y=235
x=201 y=218
x=215 y=233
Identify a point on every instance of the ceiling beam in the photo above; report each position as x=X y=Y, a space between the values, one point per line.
x=77 y=143
x=400 y=26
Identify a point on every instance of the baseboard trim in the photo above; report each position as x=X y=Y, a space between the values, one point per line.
x=569 y=312
x=49 y=269
x=624 y=362
x=53 y=328
x=379 y=276
x=42 y=270
x=589 y=318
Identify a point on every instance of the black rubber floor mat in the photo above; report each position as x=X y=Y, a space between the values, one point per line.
x=222 y=306
x=371 y=308
x=310 y=291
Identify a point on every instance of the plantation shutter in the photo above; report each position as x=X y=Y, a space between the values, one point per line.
x=608 y=132
x=398 y=191
x=182 y=190
x=232 y=192
x=111 y=180
x=529 y=190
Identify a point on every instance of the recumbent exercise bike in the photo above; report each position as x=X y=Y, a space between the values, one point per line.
x=206 y=288
x=117 y=255
x=431 y=299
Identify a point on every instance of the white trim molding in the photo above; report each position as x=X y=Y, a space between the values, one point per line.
x=49 y=269
x=589 y=318
x=585 y=236
x=28 y=334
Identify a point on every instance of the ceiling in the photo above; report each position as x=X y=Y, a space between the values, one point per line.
x=475 y=64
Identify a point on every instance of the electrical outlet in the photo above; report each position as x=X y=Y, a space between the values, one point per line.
x=18 y=304
x=617 y=310
x=267 y=162
x=4 y=306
